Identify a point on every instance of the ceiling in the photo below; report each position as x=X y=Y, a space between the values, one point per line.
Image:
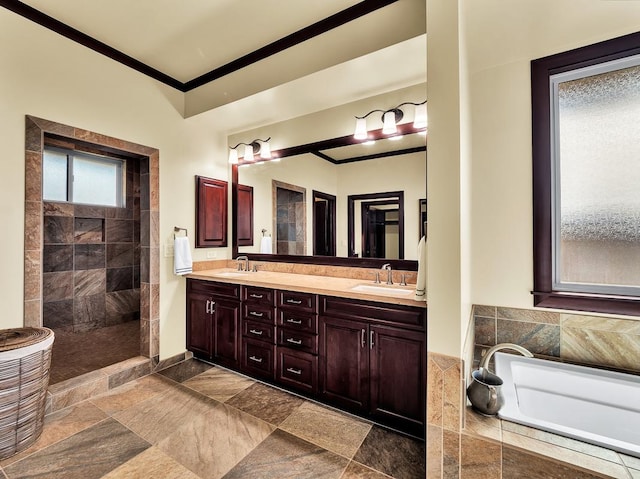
x=220 y=51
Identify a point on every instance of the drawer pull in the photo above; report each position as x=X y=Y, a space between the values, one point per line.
x=255 y=313
x=294 y=341
x=295 y=371
x=293 y=301
x=254 y=359
x=294 y=321
x=362 y=337
x=257 y=296
x=255 y=331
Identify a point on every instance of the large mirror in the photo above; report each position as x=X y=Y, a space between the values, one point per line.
x=335 y=200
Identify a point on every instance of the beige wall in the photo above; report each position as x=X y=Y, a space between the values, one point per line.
x=499 y=55
x=480 y=220
x=50 y=77
x=445 y=269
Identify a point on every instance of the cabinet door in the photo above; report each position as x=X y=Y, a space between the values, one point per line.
x=199 y=324
x=211 y=212
x=226 y=337
x=398 y=376
x=344 y=362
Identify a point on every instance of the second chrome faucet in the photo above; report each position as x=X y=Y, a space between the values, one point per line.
x=387 y=267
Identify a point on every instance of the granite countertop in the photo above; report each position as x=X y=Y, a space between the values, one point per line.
x=327 y=285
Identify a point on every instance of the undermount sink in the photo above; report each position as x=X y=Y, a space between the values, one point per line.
x=390 y=290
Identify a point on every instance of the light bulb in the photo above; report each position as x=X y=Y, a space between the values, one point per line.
x=265 y=151
x=248 y=153
x=361 y=132
x=389 y=123
x=420 y=116
x=233 y=156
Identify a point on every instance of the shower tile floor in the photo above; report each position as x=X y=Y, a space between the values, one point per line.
x=196 y=421
x=74 y=354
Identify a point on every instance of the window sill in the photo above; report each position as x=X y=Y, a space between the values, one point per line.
x=593 y=303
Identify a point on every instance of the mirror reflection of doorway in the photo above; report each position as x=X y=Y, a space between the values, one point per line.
x=380 y=229
x=290 y=218
x=324 y=224
x=376 y=225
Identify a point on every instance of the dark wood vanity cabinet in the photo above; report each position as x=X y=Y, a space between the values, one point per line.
x=373 y=360
x=213 y=321
x=366 y=357
x=258 y=332
x=297 y=338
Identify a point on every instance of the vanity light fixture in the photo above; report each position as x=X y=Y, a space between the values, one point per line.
x=250 y=150
x=391 y=118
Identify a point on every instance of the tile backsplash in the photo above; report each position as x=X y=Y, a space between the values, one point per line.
x=593 y=340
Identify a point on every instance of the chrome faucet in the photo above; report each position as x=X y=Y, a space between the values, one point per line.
x=246 y=263
x=484 y=362
x=387 y=266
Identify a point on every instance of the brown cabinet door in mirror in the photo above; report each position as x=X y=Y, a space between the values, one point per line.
x=245 y=215
x=211 y=212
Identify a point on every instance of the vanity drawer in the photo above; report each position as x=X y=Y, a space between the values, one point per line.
x=298 y=321
x=253 y=294
x=257 y=312
x=395 y=314
x=298 y=370
x=298 y=340
x=257 y=330
x=299 y=301
x=212 y=288
x=258 y=358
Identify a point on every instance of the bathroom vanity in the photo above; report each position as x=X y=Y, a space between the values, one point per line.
x=321 y=337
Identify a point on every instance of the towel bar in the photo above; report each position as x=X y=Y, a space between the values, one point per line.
x=177 y=229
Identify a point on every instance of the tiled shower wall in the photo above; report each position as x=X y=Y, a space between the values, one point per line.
x=290 y=215
x=91 y=262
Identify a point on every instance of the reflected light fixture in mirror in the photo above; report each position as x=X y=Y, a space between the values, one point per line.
x=391 y=118
x=250 y=150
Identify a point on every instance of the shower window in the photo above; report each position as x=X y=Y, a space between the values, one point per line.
x=586 y=166
x=78 y=177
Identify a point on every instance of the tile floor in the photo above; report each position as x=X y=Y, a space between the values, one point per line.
x=74 y=354
x=195 y=420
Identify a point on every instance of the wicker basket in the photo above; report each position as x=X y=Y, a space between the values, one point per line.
x=25 y=357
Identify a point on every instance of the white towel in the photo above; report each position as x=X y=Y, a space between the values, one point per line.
x=182 y=263
x=265 y=245
x=421 y=282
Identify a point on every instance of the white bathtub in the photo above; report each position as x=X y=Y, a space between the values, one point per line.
x=592 y=405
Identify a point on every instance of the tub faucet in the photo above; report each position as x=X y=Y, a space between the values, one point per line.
x=387 y=266
x=246 y=263
x=484 y=362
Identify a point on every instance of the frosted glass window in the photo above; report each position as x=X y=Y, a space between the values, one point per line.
x=96 y=181
x=83 y=178
x=54 y=170
x=596 y=162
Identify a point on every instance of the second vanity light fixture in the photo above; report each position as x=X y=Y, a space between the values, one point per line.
x=391 y=118
x=250 y=150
